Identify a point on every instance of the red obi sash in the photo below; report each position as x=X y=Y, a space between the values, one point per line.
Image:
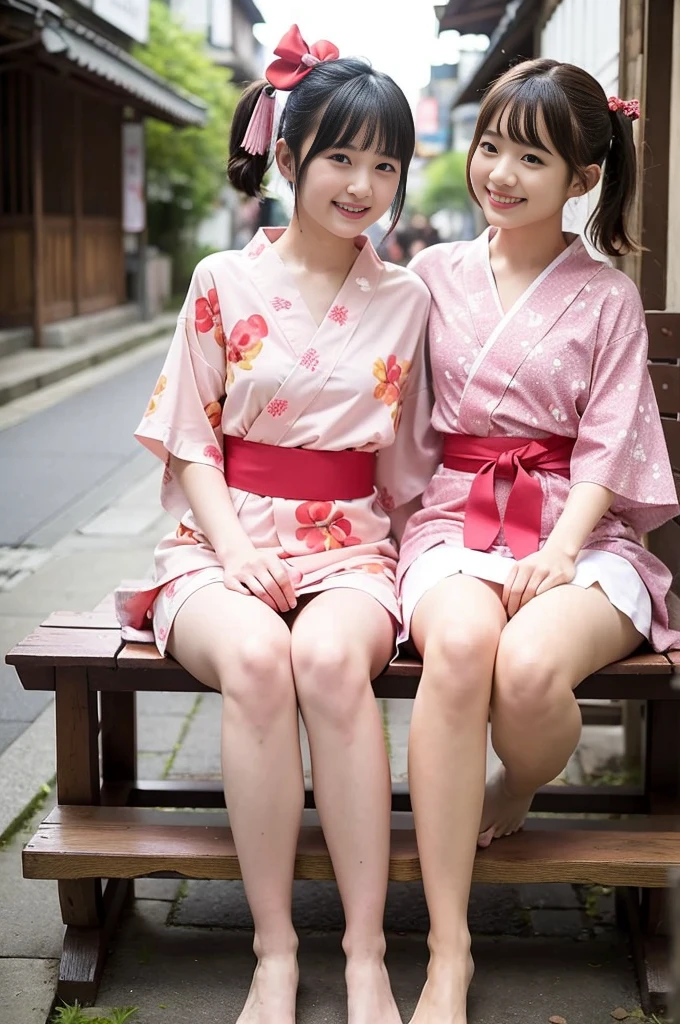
x=505 y=458
x=306 y=474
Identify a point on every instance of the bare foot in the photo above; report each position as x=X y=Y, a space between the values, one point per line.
x=273 y=992
x=502 y=813
x=444 y=997
x=369 y=994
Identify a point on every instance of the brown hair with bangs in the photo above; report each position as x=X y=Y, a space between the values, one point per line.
x=581 y=128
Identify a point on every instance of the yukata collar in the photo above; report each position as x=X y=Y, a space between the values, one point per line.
x=265 y=238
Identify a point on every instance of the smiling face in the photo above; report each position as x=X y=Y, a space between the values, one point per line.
x=517 y=175
x=345 y=189
x=516 y=183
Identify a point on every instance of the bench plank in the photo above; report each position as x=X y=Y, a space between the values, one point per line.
x=64 y=645
x=141 y=667
x=83 y=620
x=130 y=842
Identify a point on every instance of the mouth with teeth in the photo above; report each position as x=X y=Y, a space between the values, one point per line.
x=350 y=211
x=498 y=199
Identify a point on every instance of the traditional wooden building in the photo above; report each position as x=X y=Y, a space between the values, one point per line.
x=68 y=85
x=633 y=48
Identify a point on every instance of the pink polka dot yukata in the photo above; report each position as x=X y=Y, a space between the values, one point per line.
x=563 y=376
x=248 y=362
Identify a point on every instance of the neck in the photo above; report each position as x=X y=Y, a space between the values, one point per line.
x=530 y=247
x=307 y=245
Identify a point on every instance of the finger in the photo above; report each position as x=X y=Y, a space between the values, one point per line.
x=266 y=581
x=256 y=589
x=281 y=574
x=239 y=587
x=531 y=588
x=509 y=583
x=549 y=582
x=231 y=583
x=514 y=600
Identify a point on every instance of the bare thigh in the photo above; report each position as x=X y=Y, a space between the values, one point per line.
x=346 y=620
x=214 y=623
x=578 y=630
x=458 y=608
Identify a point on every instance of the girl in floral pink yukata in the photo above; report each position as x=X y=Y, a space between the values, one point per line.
x=524 y=571
x=293 y=364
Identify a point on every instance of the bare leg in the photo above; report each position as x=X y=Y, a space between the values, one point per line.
x=239 y=646
x=456 y=627
x=545 y=651
x=340 y=640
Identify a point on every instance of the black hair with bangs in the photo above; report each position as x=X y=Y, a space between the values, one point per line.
x=342 y=102
x=582 y=129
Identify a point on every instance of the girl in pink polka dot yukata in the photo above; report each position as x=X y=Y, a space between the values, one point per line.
x=293 y=364
x=524 y=571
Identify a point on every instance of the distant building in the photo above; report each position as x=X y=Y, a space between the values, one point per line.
x=72 y=159
x=227 y=26
x=228 y=29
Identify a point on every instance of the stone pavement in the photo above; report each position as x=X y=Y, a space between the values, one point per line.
x=183 y=952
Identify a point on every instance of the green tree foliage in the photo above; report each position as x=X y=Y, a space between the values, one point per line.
x=185 y=166
x=445 y=187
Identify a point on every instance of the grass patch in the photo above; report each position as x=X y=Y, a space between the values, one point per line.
x=182 y=894
x=593 y=895
x=34 y=805
x=76 y=1015
x=172 y=757
x=614 y=773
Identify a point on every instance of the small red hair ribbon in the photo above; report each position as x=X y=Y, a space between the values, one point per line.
x=631 y=108
x=295 y=60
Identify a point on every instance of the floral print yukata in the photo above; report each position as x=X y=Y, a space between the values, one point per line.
x=248 y=360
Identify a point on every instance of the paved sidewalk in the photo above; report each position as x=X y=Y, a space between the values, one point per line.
x=31 y=369
x=184 y=951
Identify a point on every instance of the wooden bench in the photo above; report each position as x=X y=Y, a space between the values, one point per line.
x=108 y=830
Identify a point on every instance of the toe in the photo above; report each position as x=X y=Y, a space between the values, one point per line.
x=485 y=839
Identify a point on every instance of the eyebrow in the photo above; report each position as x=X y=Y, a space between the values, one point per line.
x=499 y=135
x=354 y=149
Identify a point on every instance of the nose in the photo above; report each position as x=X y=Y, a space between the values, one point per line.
x=360 y=187
x=503 y=173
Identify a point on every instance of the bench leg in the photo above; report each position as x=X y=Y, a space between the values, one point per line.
x=88 y=915
x=648 y=911
x=119 y=744
x=118 y=720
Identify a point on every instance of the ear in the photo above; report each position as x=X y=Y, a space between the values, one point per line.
x=284 y=160
x=591 y=175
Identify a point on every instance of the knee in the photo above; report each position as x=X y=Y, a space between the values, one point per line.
x=458 y=669
x=331 y=680
x=527 y=681
x=256 y=676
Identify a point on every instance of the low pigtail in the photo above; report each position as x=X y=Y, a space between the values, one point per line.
x=245 y=170
x=608 y=226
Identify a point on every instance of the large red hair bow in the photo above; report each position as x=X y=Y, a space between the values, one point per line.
x=296 y=59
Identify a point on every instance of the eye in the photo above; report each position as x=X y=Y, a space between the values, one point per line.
x=340 y=158
x=531 y=158
x=386 y=167
x=491 y=147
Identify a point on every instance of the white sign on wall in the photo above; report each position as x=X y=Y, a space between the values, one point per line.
x=130 y=16
x=134 y=197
